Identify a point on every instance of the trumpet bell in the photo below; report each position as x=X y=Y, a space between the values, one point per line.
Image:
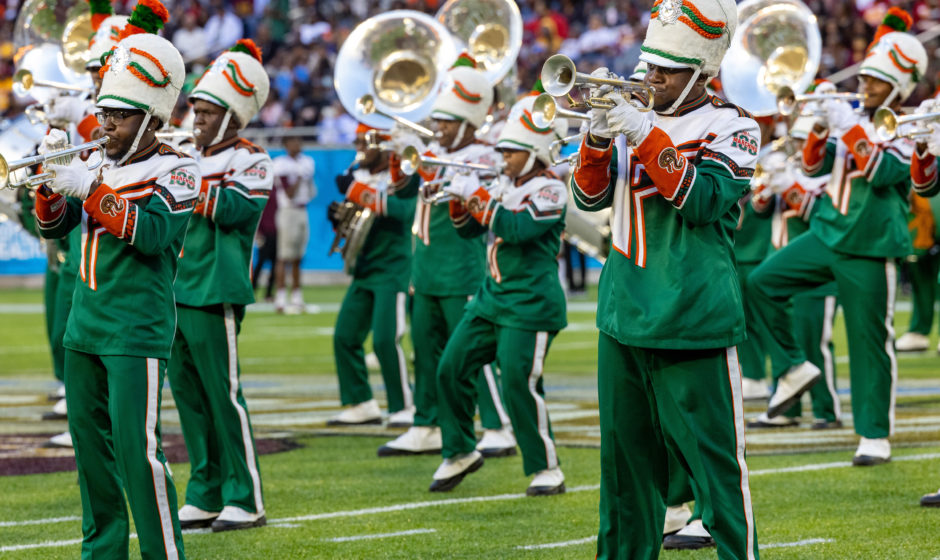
x=489 y=30
x=410 y=160
x=75 y=42
x=777 y=44
x=559 y=75
x=401 y=59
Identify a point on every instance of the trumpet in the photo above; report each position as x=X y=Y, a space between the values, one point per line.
x=559 y=76
x=787 y=99
x=174 y=134
x=545 y=110
x=34 y=181
x=888 y=123
x=23 y=82
x=556 y=146
x=366 y=106
x=411 y=159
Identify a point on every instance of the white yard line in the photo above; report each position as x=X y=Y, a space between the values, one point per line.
x=838 y=465
x=557 y=544
x=45 y=544
x=381 y=535
x=40 y=521
x=804 y=542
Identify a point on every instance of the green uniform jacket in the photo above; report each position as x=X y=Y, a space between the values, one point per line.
x=522 y=290
x=865 y=210
x=671 y=279
x=215 y=265
x=132 y=231
x=752 y=240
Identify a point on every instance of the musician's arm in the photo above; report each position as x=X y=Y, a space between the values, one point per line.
x=56 y=215
x=594 y=177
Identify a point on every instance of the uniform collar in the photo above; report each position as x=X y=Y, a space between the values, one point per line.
x=690 y=106
x=221 y=146
x=143 y=155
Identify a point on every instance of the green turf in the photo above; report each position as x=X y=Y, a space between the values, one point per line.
x=866 y=513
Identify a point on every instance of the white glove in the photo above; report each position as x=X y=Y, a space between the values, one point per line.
x=933 y=141
x=463 y=185
x=840 y=116
x=55 y=140
x=67 y=108
x=603 y=73
x=626 y=119
x=73 y=179
x=927 y=106
x=402 y=137
x=781 y=179
x=599 y=126
x=825 y=87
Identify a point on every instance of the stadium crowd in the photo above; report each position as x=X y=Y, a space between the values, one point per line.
x=300 y=39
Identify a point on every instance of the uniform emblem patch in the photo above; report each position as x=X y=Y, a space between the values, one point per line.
x=367 y=198
x=793 y=198
x=670 y=160
x=475 y=205
x=863 y=147
x=111 y=205
x=669 y=11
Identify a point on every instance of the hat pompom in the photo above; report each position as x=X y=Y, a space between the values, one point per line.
x=896 y=19
x=100 y=10
x=148 y=17
x=465 y=60
x=248 y=47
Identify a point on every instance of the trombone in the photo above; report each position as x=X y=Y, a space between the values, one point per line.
x=411 y=159
x=366 y=106
x=23 y=82
x=787 y=99
x=888 y=123
x=559 y=76
x=545 y=110
x=8 y=167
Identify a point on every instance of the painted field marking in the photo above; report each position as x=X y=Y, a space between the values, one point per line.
x=40 y=521
x=382 y=535
x=804 y=542
x=46 y=544
x=557 y=544
x=839 y=465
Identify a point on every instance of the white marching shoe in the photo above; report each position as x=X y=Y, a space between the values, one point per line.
x=404 y=418
x=372 y=362
x=791 y=386
x=676 y=518
x=912 y=342
x=497 y=443
x=764 y=421
x=60 y=440
x=546 y=483
x=872 y=452
x=60 y=411
x=192 y=517
x=691 y=537
x=363 y=413
x=233 y=518
x=754 y=389
x=453 y=470
x=418 y=440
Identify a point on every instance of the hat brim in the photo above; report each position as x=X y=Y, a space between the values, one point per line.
x=111 y=103
x=662 y=61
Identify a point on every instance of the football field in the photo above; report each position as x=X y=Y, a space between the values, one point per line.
x=327 y=495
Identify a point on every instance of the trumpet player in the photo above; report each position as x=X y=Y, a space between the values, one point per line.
x=447 y=268
x=517 y=311
x=375 y=300
x=212 y=289
x=133 y=217
x=669 y=311
x=857 y=232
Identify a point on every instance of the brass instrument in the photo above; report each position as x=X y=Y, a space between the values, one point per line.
x=888 y=123
x=777 y=44
x=411 y=159
x=557 y=145
x=175 y=134
x=62 y=156
x=489 y=30
x=365 y=105
x=545 y=110
x=787 y=99
x=559 y=76
x=352 y=227
x=24 y=82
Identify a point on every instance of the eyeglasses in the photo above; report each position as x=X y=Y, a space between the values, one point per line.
x=117 y=116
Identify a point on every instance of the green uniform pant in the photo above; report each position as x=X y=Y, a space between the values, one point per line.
x=654 y=403
x=866 y=291
x=52 y=302
x=433 y=319
x=521 y=356
x=205 y=377
x=381 y=311
x=923 y=275
x=114 y=419
x=750 y=352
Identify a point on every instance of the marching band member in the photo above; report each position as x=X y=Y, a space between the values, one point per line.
x=212 y=289
x=133 y=217
x=375 y=300
x=669 y=307
x=857 y=232
x=518 y=310
x=448 y=269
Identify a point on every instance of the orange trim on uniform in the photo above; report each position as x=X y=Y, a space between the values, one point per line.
x=86 y=126
x=592 y=175
x=364 y=195
x=108 y=208
x=859 y=144
x=458 y=212
x=49 y=209
x=794 y=196
x=394 y=169
x=923 y=170
x=663 y=162
x=814 y=152
x=428 y=172
x=482 y=206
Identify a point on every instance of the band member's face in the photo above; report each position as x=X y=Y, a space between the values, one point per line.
x=515 y=161
x=668 y=84
x=208 y=118
x=448 y=131
x=121 y=126
x=367 y=157
x=95 y=80
x=876 y=90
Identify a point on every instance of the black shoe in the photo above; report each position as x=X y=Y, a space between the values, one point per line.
x=869 y=460
x=386 y=451
x=220 y=525
x=335 y=422
x=763 y=421
x=687 y=542
x=823 y=424
x=493 y=452
x=197 y=523
x=545 y=490
x=931 y=500
x=54 y=416
x=451 y=482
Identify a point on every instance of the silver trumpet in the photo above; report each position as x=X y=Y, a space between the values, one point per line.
x=58 y=156
x=545 y=110
x=560 y=76
x=174 y=134
x=556 y=146
x=787 y=99
x=411 y=160
x=366 y=105
x=888 y=124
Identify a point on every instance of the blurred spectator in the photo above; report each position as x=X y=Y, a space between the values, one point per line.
x=266 y=242
x=223 y=28
x=191 y=40
x=336 y=126
x=293 y=175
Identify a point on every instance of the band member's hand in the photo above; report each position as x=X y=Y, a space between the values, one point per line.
x=840 y=116
x=933 y=141
x=66 y=109
x=599 y=126
x=402 y=137
x=463 y=185
x=626 y=119
x=334 y=213
x=602 y=73
x=55 y=140
x=73 y=179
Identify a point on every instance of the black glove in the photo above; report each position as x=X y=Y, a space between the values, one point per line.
x=334 y=213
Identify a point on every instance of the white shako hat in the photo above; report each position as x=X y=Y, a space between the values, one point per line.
x=235 y=81
x=466 y=95
x=104 y=39
x=521 y=133
x=894 y=56
x=689 y=34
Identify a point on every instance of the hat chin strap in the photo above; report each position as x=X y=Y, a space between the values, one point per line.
x=681 y=99
x=223 y=126
x=458 y=138
x=895 y=92
x=529 y=164
x=140 y=133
